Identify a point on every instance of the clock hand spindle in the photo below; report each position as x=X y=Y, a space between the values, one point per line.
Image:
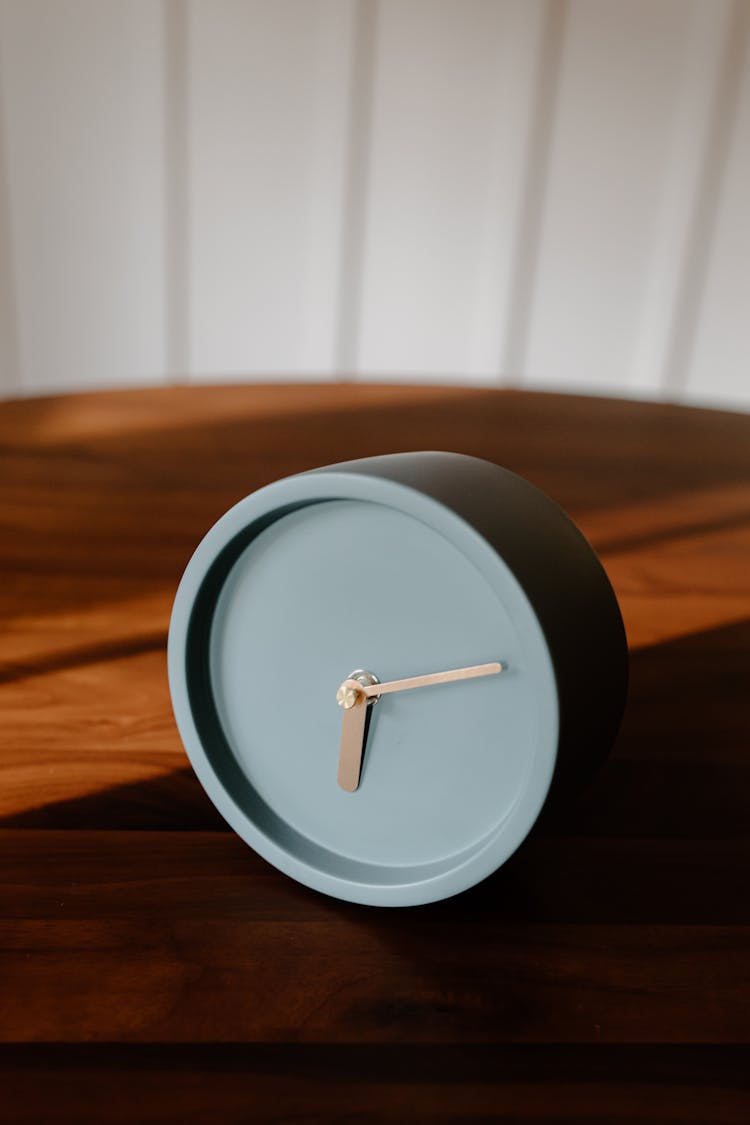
x=352 y=737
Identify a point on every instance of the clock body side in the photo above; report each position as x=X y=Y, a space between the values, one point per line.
x=563 y=578
x=497 y=524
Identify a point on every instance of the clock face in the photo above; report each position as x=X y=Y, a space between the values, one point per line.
x=293 y=590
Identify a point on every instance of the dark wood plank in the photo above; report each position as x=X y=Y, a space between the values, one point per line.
x=624 y=1085
x=170 y=876
x=206 y=979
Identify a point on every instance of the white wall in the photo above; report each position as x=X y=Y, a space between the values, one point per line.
x=538 y=192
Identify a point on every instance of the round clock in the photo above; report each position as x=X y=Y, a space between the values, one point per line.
x=379 y=667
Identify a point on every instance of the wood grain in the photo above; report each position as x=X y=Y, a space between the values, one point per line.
x=150 y=963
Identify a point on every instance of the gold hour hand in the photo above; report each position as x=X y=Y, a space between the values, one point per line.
x=354 y=703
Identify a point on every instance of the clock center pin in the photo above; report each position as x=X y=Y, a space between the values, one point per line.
x=348 y=693
x=346 y=696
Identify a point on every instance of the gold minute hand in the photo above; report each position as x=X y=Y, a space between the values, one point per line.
x=452 y=674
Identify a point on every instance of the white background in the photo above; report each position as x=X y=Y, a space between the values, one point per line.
x=548 y=194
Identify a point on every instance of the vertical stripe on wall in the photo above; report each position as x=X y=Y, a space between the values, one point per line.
x=81 y=87
x=269 y=88
x=177 y=256
x=10 y=357
x=717 y=355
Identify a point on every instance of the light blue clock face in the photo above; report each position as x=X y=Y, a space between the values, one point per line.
x=292 y=590
x=350 y=584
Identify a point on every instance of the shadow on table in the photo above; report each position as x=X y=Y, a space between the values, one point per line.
x=689 y=780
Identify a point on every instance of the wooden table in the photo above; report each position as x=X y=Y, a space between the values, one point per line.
x=151 y=966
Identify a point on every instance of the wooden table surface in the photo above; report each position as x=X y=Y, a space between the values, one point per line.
x=152 y=967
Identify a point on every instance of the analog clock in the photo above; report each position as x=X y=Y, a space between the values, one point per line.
x=379 y=668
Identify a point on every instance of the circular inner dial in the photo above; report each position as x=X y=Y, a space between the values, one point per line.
x=346 y=584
